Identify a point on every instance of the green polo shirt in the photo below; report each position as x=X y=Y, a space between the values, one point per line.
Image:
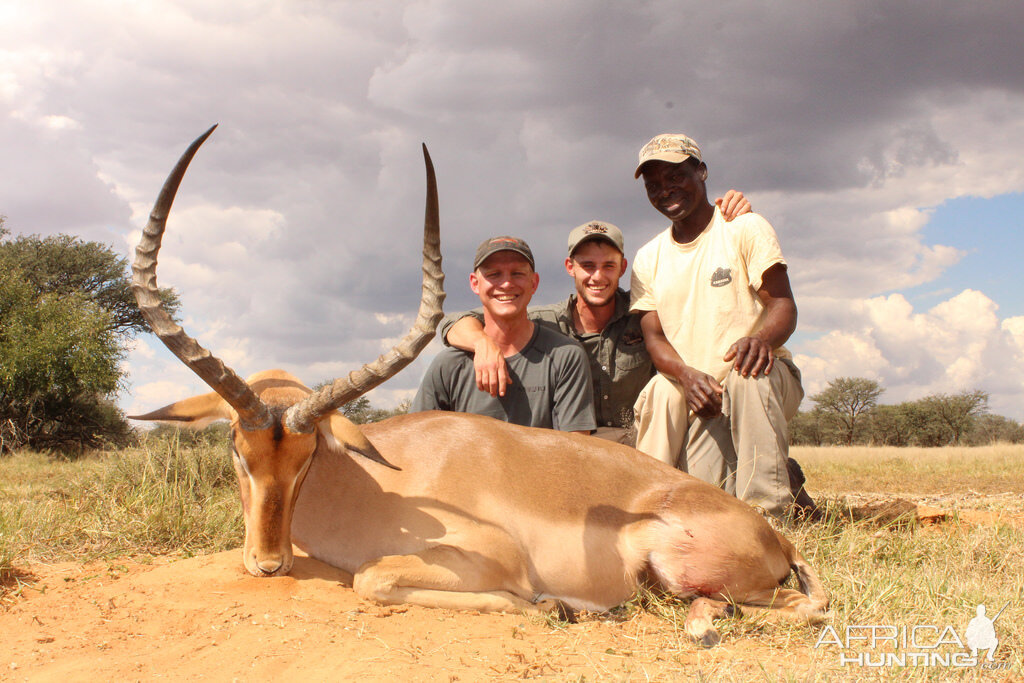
x=619 y=364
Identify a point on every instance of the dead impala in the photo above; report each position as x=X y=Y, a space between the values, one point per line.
x=461 y=511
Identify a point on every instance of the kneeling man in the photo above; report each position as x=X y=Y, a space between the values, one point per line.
x=716 y=309
x=550 y=372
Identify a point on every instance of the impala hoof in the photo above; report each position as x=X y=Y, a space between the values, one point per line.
x=710 y=639
x=557 y=609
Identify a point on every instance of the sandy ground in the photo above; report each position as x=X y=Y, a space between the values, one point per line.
x=204 y=618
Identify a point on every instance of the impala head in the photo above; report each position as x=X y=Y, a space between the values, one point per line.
x=277 y=423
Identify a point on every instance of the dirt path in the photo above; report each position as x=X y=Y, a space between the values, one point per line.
x=205 y=618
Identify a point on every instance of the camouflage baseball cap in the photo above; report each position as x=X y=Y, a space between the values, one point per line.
x=672 y=147
x=596 y=230
x=504 y=243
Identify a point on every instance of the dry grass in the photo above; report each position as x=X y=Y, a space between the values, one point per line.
x=157 y=499
x=834 y=471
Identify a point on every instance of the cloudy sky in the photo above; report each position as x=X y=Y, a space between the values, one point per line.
x=883 y=139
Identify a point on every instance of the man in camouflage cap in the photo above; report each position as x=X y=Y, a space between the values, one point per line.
x=716 y=307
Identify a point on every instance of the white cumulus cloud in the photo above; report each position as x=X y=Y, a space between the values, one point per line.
x=958 y=344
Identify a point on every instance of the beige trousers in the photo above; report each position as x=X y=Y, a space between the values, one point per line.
x=743 y=450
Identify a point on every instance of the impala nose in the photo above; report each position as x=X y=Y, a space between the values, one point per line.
x=268 y=567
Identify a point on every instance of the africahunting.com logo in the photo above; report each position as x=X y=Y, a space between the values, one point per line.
x=885 y=645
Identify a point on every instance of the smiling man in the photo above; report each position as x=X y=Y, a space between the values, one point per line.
x=550 y=374
x=716 y=307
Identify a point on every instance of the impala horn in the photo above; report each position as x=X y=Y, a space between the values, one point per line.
x=253 y=414
x=303 y=415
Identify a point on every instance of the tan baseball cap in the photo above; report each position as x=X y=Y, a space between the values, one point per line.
x=504 y=243
x=596 y=230
x=674 y=148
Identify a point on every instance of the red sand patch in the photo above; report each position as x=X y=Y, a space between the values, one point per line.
x=204 y=617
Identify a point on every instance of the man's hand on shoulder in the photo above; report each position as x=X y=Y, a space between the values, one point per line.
x=733 y=204
x=491 y=369
x=489 y=364
x=751 y=356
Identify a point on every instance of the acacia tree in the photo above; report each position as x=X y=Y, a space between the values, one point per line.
x=957 y=411
x=66 y=316
x=847 y=401
x=808 y=428
x=990 y=429
x=891 y=425
x=361 y=411
x=62 y=264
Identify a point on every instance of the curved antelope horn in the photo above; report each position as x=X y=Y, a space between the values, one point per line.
x=302 y=416
x=253 y=414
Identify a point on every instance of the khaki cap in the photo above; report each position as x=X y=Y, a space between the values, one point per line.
x=674 y=148
x=596 y=230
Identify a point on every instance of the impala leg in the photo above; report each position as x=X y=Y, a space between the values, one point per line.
x=442 y=576
x=786 y=602
x=700 y=620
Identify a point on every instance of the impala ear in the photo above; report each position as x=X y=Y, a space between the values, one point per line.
x=340 y=433
x=195 y=412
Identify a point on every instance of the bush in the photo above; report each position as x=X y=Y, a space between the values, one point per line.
x=66 y=315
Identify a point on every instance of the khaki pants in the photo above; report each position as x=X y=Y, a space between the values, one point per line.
x=743 y=450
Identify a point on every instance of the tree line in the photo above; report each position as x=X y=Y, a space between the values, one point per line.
x=847 y=412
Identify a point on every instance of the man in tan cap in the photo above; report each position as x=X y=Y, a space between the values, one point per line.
x=552 y=376
x=596 y=315
x=716 y=308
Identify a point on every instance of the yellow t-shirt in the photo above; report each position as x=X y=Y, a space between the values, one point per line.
x=705 y=292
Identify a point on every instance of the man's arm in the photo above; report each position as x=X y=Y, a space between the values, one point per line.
x=751 y=355
x=573 y=394
x=703 y=392
x=491 y=370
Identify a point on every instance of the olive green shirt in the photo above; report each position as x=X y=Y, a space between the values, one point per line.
x=619 y=364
